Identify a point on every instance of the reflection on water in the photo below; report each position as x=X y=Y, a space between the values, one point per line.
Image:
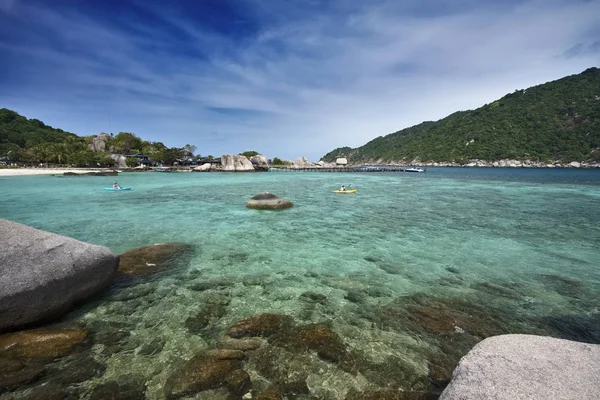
x=371 y=296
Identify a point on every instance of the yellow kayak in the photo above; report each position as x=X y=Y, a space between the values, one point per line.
x=345 y=191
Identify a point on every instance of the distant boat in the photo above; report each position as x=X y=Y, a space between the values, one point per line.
x=117 y=189
x=414 y=170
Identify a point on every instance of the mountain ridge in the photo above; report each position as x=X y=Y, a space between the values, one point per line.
x=558 y=121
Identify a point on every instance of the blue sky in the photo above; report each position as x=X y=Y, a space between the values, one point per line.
x=285 y=78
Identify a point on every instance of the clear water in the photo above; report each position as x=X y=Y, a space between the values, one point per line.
x=521 y=246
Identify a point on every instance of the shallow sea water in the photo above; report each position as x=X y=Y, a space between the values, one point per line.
x=410 y=272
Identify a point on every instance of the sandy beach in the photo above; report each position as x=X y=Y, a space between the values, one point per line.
x=46 y=171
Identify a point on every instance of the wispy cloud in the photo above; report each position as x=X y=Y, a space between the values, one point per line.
x=287 y=80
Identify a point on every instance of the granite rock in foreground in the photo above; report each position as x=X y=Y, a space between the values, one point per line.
x=514 y=367
x=43 y=274
x=268 y=201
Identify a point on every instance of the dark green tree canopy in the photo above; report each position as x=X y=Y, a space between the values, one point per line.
x=249 y=154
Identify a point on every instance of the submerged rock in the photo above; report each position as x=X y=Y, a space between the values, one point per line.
x=240 y=344
x=527 y=367
x=15 y=372
x=260 y=325
x=131 y=387
x=42 y=275
x=318 y=337
x=204 y=372
x=101 y=173
x=268 y=201
x=149 y=260
x=45 y=344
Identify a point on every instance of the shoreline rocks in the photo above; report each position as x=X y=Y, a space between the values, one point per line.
x=508 y=367
x=505 y=163
x=42 y=274
x=238 y=163
x=268 y=201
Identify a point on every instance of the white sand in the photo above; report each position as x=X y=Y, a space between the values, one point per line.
x=46 y=171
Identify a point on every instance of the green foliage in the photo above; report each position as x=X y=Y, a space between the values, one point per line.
x=277 y=161
x=127 y=143
x=18 y=133
x=558 y=120
x=131 y=162
x=249 y=154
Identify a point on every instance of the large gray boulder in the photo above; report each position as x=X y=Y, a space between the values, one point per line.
x=301 y=162
x=259 y=160
x=43 y=274
x=514 y=367
x=99 y=143
x=237 y=163
x=120 y=160
x=203 y=168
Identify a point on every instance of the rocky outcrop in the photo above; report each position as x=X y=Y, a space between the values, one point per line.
x=120 y=160
x=268 y=201
x=510 y=367
x=43 y=274
x=341 y=161
x=301 y=162
x=259 y=160
x=202 y=168
x=99 y=143
x=237 y=163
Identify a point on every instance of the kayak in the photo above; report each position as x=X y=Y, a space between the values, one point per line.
x=345 y=191
x=117 y=190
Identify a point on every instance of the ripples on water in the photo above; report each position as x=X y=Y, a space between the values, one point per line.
x=409 y=273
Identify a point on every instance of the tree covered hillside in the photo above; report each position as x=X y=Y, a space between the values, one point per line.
x=556 y=121
x=18 y=132
x=30 y=141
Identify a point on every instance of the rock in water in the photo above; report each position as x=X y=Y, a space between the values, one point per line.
x=43 y=274
x=148 y=260
x=512 y=367
x=40 y=343
x=268 y=201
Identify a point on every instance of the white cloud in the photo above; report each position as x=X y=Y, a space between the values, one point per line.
x=315 y=82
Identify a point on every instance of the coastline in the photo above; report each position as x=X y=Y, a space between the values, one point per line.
x=490 y=164
x=4 y=172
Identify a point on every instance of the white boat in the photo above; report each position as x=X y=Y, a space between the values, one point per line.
x=414 y=170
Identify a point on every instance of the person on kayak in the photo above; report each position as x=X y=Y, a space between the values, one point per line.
x=343 y=188
x=116 y=185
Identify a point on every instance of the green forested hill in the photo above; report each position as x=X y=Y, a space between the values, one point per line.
x=18 y=132
x=556 y=121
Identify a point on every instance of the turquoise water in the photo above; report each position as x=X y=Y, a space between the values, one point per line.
x=482 y=251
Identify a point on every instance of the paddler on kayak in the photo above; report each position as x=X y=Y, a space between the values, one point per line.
x=116 y=185
x=343 y=188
